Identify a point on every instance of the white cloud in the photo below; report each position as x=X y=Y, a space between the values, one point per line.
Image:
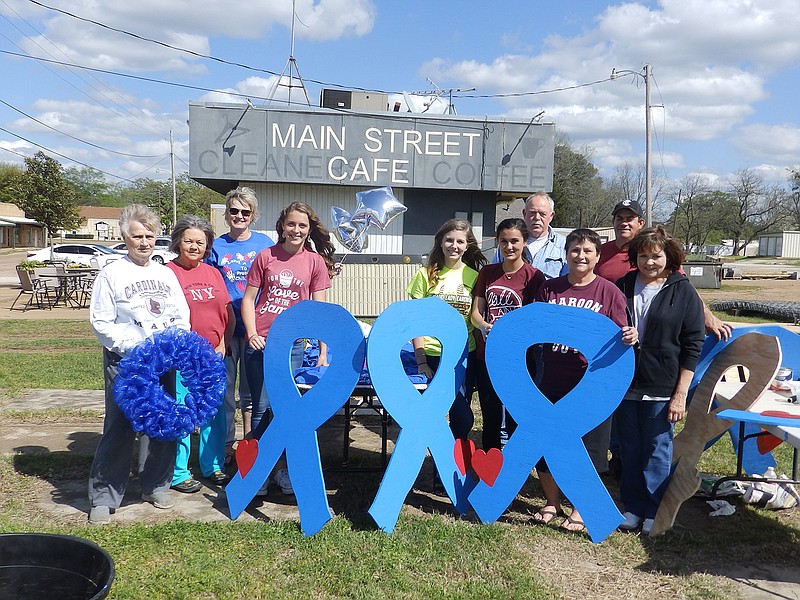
x=95 y=46
x=711 y=60
x=773 y=143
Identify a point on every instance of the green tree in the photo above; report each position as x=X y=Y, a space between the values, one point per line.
x=46 y=196
x=578 y=190
x=9 y=182
x=192 y=198
x=793 y=200
x=91 y=186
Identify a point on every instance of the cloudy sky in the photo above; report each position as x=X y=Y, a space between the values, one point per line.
x=724 y=72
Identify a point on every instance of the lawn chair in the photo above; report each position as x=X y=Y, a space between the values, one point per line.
x=37 y=294
x=52 y=285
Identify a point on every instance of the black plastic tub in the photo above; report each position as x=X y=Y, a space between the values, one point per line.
x=40 y=565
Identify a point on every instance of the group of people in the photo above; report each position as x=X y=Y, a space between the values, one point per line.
x=635 y=280
x=231 y=289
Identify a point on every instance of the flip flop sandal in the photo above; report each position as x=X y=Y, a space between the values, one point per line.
x=581 y=527
x=546 y=515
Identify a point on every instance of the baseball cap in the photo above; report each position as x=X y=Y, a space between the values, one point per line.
x=631 y=205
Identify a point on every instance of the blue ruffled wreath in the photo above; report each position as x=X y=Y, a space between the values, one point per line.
x=144 y=402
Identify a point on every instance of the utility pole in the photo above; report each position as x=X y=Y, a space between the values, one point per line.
x=645 y=74
x=174 y=189
x=648 y=183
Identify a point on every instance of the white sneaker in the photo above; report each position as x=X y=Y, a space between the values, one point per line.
x=100 y=515
x=647 y=526
x=281 y=479
x=264 y=489
x=631 y=522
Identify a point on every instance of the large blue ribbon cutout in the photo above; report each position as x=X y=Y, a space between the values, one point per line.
x=421 y=417
x=555 y=430
x=297 y=417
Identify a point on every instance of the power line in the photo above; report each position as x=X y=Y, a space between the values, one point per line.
x=143 y=124
x=128 y=75
x=32 y=118
x=275 y=74
x=187 y=51
x=16 y=135
x=551 y=91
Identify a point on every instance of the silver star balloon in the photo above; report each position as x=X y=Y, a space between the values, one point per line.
x=352 y=236
x=377 y=207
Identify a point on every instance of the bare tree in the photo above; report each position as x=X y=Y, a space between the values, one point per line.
x=684 y=218
x=793 y=199
x=629 y=182
x=759 y=207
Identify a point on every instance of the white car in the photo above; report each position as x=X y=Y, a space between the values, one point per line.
x=82 y=254
x=161 y=253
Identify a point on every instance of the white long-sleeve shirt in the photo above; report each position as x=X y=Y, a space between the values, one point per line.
x=131 y=302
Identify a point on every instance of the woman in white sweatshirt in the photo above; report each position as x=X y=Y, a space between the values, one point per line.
x=132 y=298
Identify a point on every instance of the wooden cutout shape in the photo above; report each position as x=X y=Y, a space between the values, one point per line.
x=462 y=452
x=246 y=454
x=762 y=355
x=487 y=465
x=768 y=442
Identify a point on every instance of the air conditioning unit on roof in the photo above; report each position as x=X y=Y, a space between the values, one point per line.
x=354 y=100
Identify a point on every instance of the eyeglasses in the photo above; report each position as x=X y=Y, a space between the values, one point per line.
x=235 y=211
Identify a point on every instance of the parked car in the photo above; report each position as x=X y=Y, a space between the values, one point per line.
x=81 y=254
x=161 y=253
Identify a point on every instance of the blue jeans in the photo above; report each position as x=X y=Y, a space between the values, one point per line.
x=461 y=417
x=645 y=438
x=254 y=367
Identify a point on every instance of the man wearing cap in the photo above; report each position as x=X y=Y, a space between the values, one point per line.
x=627 y=221
x=614 y=262
x=544 y=248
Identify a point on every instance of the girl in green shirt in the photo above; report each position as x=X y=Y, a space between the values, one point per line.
x=450 y=274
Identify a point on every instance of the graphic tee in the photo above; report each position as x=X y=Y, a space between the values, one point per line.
x=454 y=287
x=503 y=293
x=233 y=258
x=207 y=297
x=563 y=366
x=283 y=280
x=131 y=302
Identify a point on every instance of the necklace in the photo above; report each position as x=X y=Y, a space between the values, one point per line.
x=509 y=275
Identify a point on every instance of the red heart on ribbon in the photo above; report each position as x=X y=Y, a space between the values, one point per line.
x=779 y=413
x=487 y=465
x=246 y=453
x=462 y=452
x=768 y=443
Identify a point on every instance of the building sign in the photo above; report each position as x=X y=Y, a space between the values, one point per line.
x=374 y=149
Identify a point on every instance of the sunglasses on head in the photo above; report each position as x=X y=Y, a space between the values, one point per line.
x=235 y=211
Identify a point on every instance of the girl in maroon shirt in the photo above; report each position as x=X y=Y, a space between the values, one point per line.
x=500 y=288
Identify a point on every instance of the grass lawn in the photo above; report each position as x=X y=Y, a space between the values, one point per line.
x=431 y=554
x=49 y=355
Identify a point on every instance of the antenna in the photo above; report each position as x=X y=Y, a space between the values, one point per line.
x=290 y=70
x=438 y=93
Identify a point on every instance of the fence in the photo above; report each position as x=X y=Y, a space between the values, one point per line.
x=367 y=289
